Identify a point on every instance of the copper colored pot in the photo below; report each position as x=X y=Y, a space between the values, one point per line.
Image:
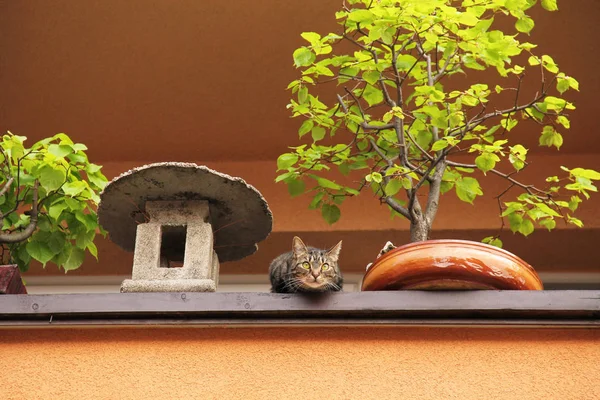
x=450 y=265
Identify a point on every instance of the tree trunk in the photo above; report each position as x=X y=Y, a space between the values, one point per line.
x=419 y=230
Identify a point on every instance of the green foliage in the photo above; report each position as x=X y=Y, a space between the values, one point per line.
x=396 y=127
x=67 y=186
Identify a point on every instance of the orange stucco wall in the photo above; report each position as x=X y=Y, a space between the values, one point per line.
x=298 y=363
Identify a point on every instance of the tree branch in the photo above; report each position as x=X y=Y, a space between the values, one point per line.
x=515 y=105
x=476 y=122
x=398 y=208
x=529 y=188
x=389 y=200
x=442 y=71
x=437 y=161
x=363 y=124
x=433 y=197
x=16 y=237
x=6 y=186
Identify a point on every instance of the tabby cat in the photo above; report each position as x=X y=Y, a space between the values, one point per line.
x=306 y=269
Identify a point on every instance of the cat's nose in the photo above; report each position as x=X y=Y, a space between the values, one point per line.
x=315 y=274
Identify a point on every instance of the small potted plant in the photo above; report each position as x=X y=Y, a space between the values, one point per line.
x=48 y=198
x=403 y=105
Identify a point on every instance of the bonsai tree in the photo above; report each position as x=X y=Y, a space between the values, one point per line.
x=397 y=94
x=48 y=199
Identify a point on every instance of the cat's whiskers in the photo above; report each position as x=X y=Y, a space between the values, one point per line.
x=293 y=284
x=333 y=285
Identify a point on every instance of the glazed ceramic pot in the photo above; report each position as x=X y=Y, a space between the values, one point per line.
x=450 y=265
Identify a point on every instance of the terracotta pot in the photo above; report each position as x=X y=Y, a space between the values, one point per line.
x=450 y=265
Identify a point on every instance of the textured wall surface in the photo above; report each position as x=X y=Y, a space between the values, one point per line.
x=300 y=363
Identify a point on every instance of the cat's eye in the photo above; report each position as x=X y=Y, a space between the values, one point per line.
x=325 y=266
x=306 y=265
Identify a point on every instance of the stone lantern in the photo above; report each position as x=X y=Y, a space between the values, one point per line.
x=181 y=220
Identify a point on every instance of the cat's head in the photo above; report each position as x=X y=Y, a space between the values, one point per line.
x=316 y=270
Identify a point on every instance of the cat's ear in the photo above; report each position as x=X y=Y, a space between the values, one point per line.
x=334 y=253
x=298 y=246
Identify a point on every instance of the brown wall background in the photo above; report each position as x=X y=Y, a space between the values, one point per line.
x=203 y=81
x=292 y=363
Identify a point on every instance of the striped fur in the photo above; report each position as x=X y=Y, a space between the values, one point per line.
x=306 y=269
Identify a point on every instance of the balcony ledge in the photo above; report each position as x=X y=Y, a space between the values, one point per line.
x=552 y=308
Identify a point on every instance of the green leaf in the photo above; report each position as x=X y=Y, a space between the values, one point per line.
x=74 y=188
x=586 y=173
x=79 y=147
x=311 y=37
x=286 y=160
x=56 y=242
x=98 y=180
x=24 y=258
x=284 y=177
x=331 y=213
x=371 y=76
x=405 y=61
x=75 y=259
x=574 y=221
x=494 y=241
x=51 y=178
x=526 y=227
x=352 y=191
x=547 y=210
x=550 y=5
x=515 y=220
x=302 y=94
x=574 y=203
x=550 y=137
x=73 y=204
x=534 y=60
x=60 y=150
x=393 y=187
x=92 y=168
x=295 y=187
x=467 y=170
x=88 y=220
x=467 y=189
x=316 y=201
x=564 y=121
x=446 y=186
x=376 y=177
x=562 y=85
x=39 y=251
x=486 y=161
x=93 y=250
x=573 y=83
x=318 y=133
x=372 y=95
x=303 y=57
x=326 y=183
x=549 y=64
x=547 y=223
x=357 y=15
x=517 y=156
x=305 y=127
x=439 y=145
x=468 y=18
x=350 y=71
x=56 y=209
x=524 y=24
x=63 y=138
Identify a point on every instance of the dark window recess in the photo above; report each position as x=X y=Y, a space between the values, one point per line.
x=172 y=245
